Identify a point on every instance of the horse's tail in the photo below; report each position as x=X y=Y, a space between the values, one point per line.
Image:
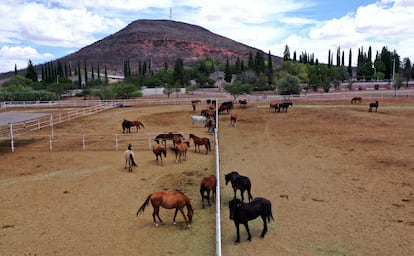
x=248 y=190
x=142 y=208
x=131 y=156
x=209 y=145
x=142 y=125
x=268 y=211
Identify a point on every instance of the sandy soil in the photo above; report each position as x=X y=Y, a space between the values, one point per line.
x=341 y=181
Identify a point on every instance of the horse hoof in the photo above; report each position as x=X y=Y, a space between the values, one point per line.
x=189 y=225
x=156 y=224
x=174 y=223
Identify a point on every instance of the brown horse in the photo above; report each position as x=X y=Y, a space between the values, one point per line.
x=180 y=151
x=243 y=102
x=168 y=200
x=274 y=106
x=194 y=104
x=159 y=151
x=210 y=125
x=126 y=125
x=356 y=100
x=200 y=141
x=373 y=105
x=233 y=119
x=207 y=185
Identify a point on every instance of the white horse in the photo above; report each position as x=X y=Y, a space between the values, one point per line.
x=129 y=159
x=201 y=119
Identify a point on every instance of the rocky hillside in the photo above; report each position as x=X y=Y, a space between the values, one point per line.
x=158 y=42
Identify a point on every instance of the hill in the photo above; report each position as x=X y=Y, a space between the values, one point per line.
x=158 y=42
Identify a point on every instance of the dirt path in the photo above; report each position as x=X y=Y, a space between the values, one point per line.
x=341 y=181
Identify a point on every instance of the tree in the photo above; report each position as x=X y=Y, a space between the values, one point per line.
x=31 y=72
x=288 y=85
x=406 y=70
x=15 y=69
x=238 y=88
x=227 y=72
x=286 y=53
x=178 y=73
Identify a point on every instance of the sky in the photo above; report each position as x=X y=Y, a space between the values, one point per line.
x=42 y=31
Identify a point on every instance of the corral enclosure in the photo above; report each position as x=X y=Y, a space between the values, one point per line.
x=340 y=180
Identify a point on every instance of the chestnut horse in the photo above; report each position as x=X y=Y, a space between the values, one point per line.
x=233 y=119
x=126 y=125
x=207 y=185
x=194 y=104
x=180 y=151
x=159 y=151
x=168 y=200
x=200 y=141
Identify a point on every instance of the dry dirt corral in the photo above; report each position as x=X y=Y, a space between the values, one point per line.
x=341 y=181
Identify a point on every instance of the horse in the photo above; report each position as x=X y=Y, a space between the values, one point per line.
x=243 y=102
x=207 y=113
x=284 y=106
x=194 y=104
x=159 y=151
x=241 y=213
x=208 y=184
x=274 y=106
x=373 y=105
x=200 y=141
x=233 y=119
x=239 y=182
x=174 y=136
x=210 y=125
x=129 y=159
x=180 y=151
x=356 y=100
x=223 y=108
x=168 y=200
x=201 y=119
x=126 y=125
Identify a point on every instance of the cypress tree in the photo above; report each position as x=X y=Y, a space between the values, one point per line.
x=227 y=72
x=31 y=72
x=86 y=73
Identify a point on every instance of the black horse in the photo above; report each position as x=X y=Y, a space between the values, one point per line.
x=239 y=182
x=126 y=126
x=241 y=213
x=284 y=106
x=373 y=105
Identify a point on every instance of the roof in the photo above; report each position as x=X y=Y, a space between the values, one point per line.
x=14 y=117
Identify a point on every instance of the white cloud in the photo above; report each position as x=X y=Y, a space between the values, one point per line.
x=18 y=55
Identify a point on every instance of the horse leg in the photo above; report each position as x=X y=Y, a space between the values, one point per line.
x=208 y=197
x=264 y=226
x=249 y=236
x=156 y=213
x=237 y=231
x=250 y=195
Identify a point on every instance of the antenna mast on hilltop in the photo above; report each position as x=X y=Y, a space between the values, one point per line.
x=170 y=13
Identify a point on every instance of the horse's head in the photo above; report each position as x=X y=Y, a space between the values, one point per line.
x=129 y=146
x=233 y=205
x=190 y=214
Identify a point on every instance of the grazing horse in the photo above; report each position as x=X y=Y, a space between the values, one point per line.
x=233 y=119
x=224 y=108
x=200 y=119
x=239 y=182
x=174 y=136
x=241 y=213
x=194 y=104
x=373 y=105
x=274 y=106
x=284 y=106
x=206 y=185
x=200 y=141
x=129 y=159
x=159 y=151
x=243 y=102
x=356 y=100
x=180 y=151
x=207 y=113
x=168 y=200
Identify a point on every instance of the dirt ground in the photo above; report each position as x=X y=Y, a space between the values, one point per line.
x=340 y=179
